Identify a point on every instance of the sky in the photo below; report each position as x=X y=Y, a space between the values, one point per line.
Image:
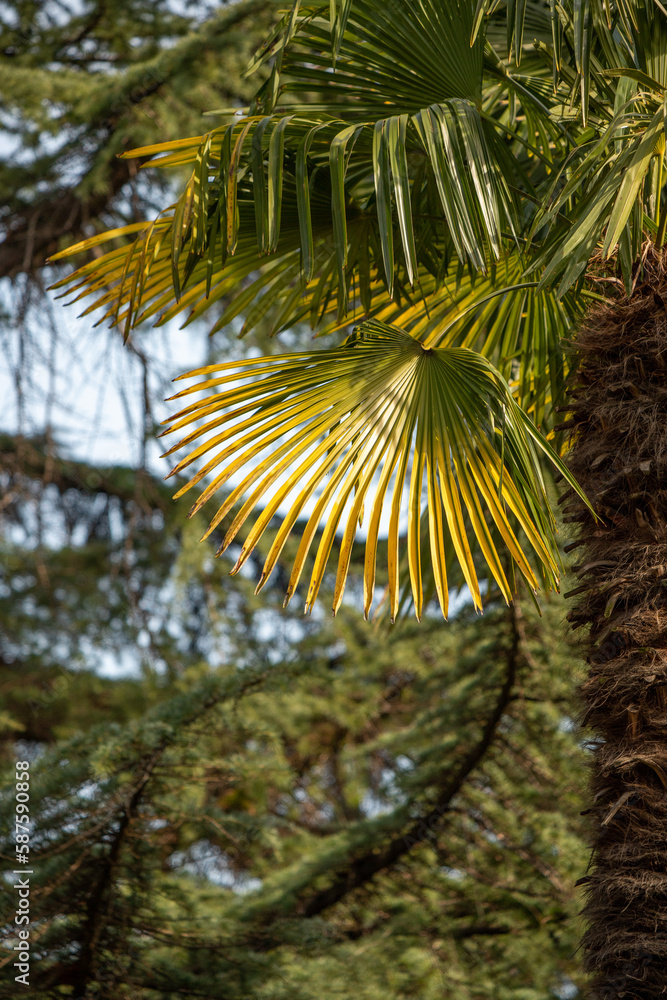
x=63 y=372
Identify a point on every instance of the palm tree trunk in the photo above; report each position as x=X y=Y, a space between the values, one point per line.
x=619 y=454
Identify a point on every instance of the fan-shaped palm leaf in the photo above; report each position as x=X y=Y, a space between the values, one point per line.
x=311 y=189
x=378 y=415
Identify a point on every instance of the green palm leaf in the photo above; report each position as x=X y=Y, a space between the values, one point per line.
x=376 y=417
x=312 y=184
x=393 y=58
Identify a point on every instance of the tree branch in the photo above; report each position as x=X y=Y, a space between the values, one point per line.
x=360 y=870
x=365 y=867
x=36 y=229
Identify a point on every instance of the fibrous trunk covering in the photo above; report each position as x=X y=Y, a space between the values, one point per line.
x=619 y=454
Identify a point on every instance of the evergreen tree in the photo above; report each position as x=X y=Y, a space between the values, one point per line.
x=273 y=806
x=82 y=83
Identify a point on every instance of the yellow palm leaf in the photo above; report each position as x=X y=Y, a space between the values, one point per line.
x=317 y=433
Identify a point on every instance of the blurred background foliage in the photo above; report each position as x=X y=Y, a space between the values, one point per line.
x=229 y=800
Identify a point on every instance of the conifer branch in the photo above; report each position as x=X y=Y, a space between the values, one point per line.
x=357 y=872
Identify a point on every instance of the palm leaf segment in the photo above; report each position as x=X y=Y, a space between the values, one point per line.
x=378 y=416
x=353 y=185
x=604 y=195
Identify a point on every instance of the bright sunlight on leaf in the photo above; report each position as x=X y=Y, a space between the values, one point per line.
x=374 y=417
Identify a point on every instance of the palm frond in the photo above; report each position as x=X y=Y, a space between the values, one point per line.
x=392 y=170
x=393 y=58
x=607 y=187
x=378 y=415
x=439 y=162
x=271 y=185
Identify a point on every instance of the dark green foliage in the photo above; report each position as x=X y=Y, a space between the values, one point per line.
x=81 y=83
x=84 y=560
x=276 y=806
